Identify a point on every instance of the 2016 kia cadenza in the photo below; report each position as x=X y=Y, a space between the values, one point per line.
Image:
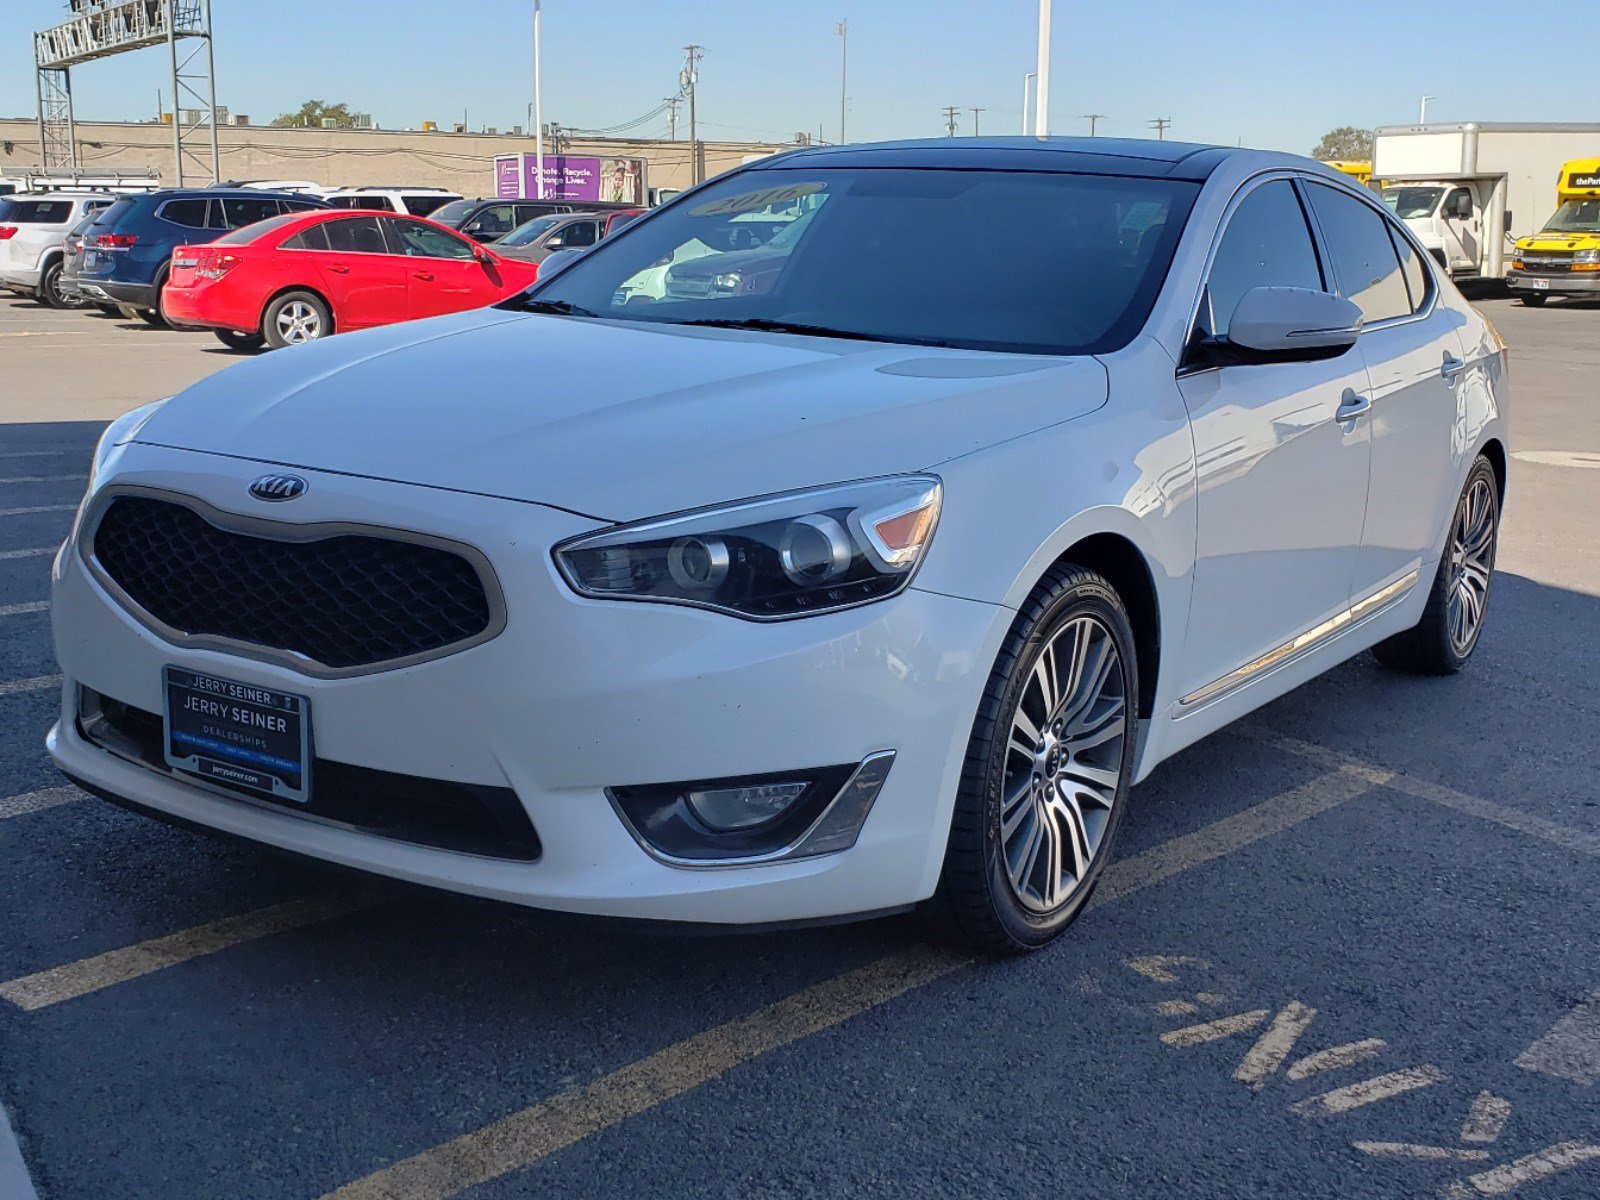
x=1027 y=464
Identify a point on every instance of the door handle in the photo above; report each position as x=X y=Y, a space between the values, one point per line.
x=339 y=269
x=1352 y=406
x=1452 y=367
x=422 y=274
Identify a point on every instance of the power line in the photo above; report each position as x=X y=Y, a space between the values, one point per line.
x=950 y=119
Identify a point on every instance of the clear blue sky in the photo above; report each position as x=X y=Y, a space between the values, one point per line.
x=1274 y=73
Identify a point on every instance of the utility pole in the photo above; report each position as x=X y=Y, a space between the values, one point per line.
x=687 y=80
x=1041 y=112
x=1093 y=119
x=1422 y=118
x=538 y=112
x=1160 y=126
x=844 y=41
x=1027 y=94
x=950 y=120
x=672 y=117
x=975 y=113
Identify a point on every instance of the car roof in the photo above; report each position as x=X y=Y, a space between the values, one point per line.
x=1072 y=155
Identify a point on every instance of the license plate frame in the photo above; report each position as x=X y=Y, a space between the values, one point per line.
x=236 y=735
x=1539 y=285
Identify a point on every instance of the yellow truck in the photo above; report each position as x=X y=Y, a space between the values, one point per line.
x=1563 y=258
x=1361 y=172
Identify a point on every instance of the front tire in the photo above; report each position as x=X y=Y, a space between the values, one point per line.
x=1047 y=771
x=1445 y=638
x=1532 y=299
x=243 y=343
x=295 y=317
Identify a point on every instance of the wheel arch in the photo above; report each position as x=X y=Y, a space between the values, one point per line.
x=261 y=316
x=1126 y=568
x=1494 y=450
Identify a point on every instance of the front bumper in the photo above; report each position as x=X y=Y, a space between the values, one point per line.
x=1585 y=283
x=573 y=697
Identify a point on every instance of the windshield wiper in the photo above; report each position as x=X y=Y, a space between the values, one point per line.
x=563 y=308
x=769 y=325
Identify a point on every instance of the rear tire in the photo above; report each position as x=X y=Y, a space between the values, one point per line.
x=243 y=343
x=1445 y=638
x=1047 y=771
x=295 y=317
x=151 y=316
x=1532 y=299
x=50 y=288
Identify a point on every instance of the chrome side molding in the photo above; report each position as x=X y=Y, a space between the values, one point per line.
x=1359 y=611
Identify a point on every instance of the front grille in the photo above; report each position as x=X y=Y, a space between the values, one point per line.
x=1546 y=262
x=345 y=601
x=466 y=817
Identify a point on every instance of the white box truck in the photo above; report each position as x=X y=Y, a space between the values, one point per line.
x=1469 y=190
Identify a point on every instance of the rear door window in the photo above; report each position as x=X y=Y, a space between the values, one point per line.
x=1364 y=258
x=312 y=237
x=377 y=203
x=421 y=206
x=580 y=233
x=238 y=211
x=1411 y=267
x=356 y=235
x=297 y=206
x=1267 y=244
x=495 y=221
x=190 y=213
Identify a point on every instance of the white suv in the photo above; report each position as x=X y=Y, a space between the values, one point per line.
x=33 y=229
x=407 y=201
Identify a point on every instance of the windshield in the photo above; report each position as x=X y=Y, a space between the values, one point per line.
x=1409 y=202
x=988 y=260
x=454 y=212
x=530 y=231
x=1575 y=216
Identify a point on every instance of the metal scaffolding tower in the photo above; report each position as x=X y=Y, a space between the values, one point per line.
x=101 y=28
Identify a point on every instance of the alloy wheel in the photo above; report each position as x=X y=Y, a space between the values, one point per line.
x=1063 y=766
x=1471 y=562
x=298 y=322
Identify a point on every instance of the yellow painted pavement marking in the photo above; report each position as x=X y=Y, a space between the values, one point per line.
x=28 y=606
x=27 y=802
x=1370 y=1091
x=68 y=982
x=1211 y=1031
x=1426 y=1153
x=38 y=683
x=31 y=552
x=534 y=1133
x=1338 y=1056
x=1530 y=1168
x=37 y=508
x=1571 y=1050
x=44 y=479
x=1486 y=1118
x=1274 y=1045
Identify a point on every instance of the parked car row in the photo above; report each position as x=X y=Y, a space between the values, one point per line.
x=273 y=268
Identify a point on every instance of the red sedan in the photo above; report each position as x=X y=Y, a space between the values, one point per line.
x=303 y=276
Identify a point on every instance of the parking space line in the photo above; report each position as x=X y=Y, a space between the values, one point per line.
x=1336 y=1057
x=14 y=1181
x=38 y=683
x=1530 y=1168
x=1233 y=833
x=43 y=478
x=1486 y=1118
x=1437 y=793
x=1369 y=1091
x=34 y=453
x=1424 y=1153
x=28 y=802
x=31 y=552
x=37 y=508
x=525 y=1137
x=17 y=610
x=1571 y=1050
x=68 y=982
x=537 y=1132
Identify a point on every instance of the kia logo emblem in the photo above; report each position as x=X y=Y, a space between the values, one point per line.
x=279 y=487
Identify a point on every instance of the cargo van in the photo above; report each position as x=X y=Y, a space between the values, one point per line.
x=1563 y=258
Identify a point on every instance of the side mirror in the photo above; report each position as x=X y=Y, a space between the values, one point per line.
x=1287 y=324
x=482 y=255
x=1463 y=207
x=1508 y=222
x=559 y=261
x=555 y=244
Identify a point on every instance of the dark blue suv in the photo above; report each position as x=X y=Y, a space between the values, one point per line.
x=127 y=252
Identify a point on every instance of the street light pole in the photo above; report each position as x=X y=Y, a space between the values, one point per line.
x=1422 y=117
x=538 y=112
x=1041 y=111
x=1027 y=95
x=844 y=40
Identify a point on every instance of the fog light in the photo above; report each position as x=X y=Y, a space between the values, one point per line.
x=730 y=808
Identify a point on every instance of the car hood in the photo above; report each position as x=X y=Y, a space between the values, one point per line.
x=617 y=420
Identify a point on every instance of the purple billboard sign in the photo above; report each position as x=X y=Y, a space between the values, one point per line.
x=615 y=180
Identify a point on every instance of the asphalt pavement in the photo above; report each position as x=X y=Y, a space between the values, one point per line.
x=1348 y=948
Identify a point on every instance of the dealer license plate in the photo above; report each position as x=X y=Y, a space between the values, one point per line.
x=238 y=735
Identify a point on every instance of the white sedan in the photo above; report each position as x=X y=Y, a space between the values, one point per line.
x=874 y=579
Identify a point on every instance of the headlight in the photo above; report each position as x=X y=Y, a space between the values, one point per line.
x=783 y=556
x=119 y=433
x=1587 y=256
x=728 y=282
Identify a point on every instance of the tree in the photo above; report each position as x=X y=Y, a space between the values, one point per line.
x=312 y=112
x=1345 y=144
